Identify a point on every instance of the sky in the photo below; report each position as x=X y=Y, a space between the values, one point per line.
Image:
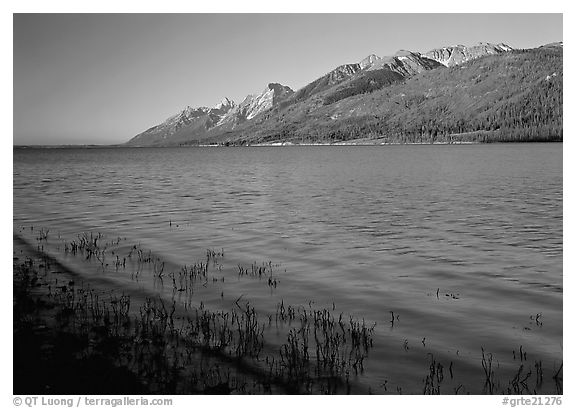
x=103 y=78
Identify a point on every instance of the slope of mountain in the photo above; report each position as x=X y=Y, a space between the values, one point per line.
x=252 y=105
x=370 y=81
x=404 y=62
x=485 y=92
x=553 y=45
x=508 y=96
x=459 y=54
x=177 y=128
x=336 y=76
x=378 y=72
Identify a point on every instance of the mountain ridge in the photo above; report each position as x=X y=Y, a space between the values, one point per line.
x=458 y=54
x=278 y=112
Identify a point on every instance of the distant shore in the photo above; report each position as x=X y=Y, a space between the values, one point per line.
x=274 y=144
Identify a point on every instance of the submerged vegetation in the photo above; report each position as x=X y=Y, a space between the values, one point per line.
x=125 y=341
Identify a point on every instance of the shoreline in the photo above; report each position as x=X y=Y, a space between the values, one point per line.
x=70 y=332
x=61 y=347
x=278 y=144
x=47 y=352
x=94 y=330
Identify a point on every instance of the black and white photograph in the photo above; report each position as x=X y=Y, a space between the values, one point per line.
x=287 y=203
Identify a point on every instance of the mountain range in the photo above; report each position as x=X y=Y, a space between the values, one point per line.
x=480 y=93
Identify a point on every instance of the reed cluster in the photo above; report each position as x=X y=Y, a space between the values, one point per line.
x=179 y=345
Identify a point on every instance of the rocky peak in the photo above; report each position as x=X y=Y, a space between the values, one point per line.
x=505 y=47
x=187 y=113
x=369 y=61
x=279 y=88
x=225 y=104
x=269 y=97
x=279 y=91
x=459 y=54
x=252 y=105
x=406 y=63
x=342 y=72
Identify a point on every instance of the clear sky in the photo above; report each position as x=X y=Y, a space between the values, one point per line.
x=103 y=78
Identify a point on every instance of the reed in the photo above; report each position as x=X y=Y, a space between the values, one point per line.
x=434 y=378
x=180 y=345
x=488 y=372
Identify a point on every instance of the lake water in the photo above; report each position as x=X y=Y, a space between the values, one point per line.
x=463 y=244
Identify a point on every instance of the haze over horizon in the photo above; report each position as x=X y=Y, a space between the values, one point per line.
x=103 y=78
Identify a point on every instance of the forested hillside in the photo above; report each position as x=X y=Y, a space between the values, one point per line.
x=512 y=96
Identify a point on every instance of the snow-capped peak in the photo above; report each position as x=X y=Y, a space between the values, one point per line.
x=369 y=60
x=225 y=104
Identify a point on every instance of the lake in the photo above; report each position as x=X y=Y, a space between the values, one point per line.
x=449 y=250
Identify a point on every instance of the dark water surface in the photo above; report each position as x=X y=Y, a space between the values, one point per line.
x=462 y=243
